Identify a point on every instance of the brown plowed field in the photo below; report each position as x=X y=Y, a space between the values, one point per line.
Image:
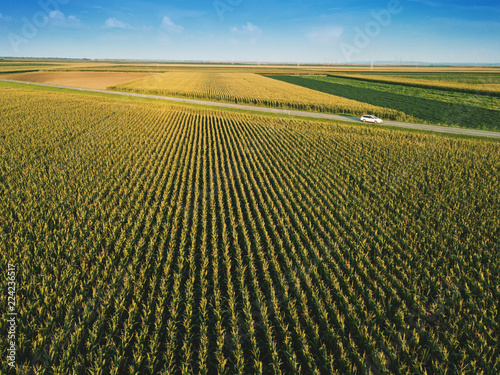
x=91 y=80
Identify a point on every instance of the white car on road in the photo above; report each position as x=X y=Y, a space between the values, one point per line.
x=372 y=119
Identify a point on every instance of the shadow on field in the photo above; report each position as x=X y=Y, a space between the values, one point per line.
x=431 y=111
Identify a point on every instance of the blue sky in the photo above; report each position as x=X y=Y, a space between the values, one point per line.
x=254 y=30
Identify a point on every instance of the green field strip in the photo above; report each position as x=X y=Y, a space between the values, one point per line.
x=430 y=111
x=458 y=77
x=460 y=98
x=438 y=85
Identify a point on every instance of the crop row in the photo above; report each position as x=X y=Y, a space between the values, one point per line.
x=160 y=239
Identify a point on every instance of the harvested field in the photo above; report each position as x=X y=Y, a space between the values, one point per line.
x=91 y=80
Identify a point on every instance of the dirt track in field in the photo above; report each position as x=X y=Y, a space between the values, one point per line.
x=89 y=80
x=430 y=128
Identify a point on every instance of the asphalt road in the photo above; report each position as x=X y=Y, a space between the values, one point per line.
x=431 y=128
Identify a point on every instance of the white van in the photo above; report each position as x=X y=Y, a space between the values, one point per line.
x=372 y=119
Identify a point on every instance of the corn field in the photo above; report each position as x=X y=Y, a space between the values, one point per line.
x=160 y=239
x=253 y=89
x=485 y=87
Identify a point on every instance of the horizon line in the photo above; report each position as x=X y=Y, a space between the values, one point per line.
x=291 y=63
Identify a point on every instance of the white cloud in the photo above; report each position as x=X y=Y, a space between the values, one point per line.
x=57 y=18
x=57 y=15
x=170 y=26
x=113 y=23
x=5 y=18
x=249 y=28
x=327 y=36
